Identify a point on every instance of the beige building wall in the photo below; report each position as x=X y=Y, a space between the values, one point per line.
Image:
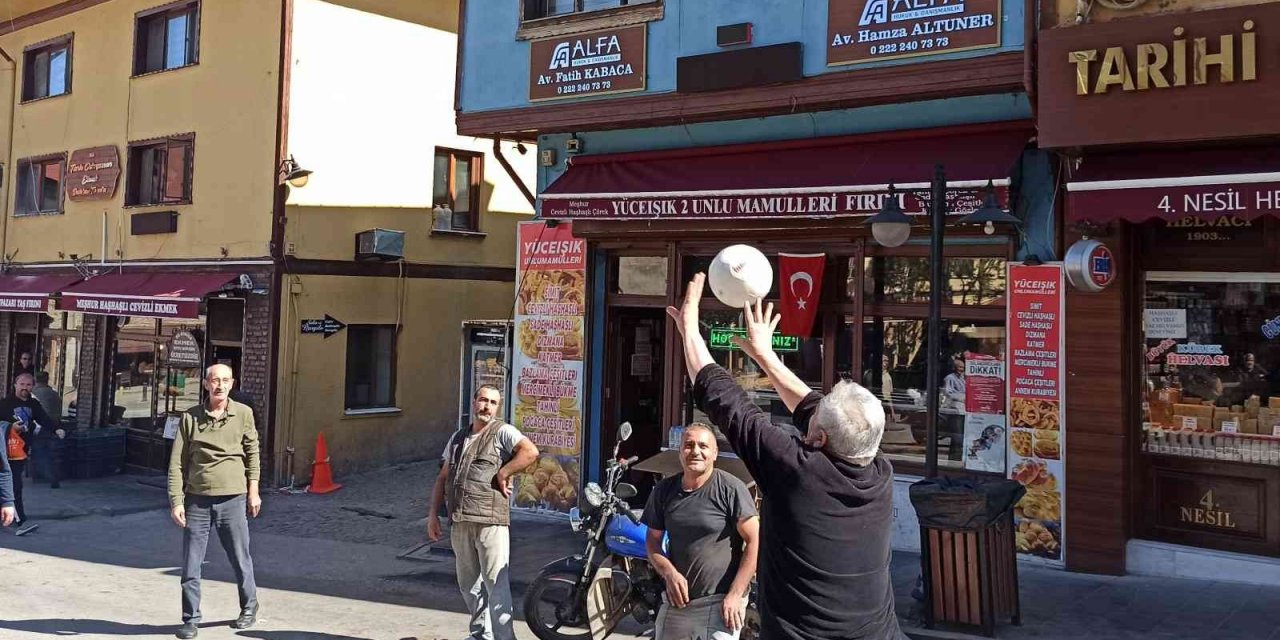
x=312 y=389
x=368 y=126
x=1064 y=13
x=229 y=100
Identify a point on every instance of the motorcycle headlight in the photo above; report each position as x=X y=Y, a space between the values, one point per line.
x=594 y=495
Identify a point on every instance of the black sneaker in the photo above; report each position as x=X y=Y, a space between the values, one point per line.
x=55 y=485
x=188 y=630
x=246 y=619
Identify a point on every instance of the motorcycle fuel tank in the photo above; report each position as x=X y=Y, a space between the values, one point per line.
x=626 y=539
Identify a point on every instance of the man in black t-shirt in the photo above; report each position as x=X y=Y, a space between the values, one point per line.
x=828 y=495
x=712 y=525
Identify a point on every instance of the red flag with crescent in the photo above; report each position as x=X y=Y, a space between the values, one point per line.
x=800 y=281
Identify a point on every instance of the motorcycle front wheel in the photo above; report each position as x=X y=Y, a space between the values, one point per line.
x=550 y=610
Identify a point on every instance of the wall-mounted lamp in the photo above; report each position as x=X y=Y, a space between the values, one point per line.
x=521 y=148
x=573 y=144
x=293 y=173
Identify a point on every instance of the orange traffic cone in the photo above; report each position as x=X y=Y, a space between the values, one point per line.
x=321 y=475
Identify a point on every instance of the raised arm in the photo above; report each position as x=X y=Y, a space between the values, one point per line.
x=696 y=354
x=761 y=321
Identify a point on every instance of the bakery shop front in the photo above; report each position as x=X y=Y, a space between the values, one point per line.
x=1174 y=369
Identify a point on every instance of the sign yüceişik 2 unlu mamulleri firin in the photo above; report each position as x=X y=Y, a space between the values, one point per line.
x=860 y=31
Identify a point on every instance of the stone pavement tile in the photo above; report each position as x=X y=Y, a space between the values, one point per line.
x=1248 y=625
x=110 y=496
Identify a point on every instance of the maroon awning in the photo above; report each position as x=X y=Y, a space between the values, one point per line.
x=822 y=177
x=1170 y=185
x=31 y=293
x=157 y=295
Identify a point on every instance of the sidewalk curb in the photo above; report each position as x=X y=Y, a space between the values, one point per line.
x=918 y=633
x=71 y=514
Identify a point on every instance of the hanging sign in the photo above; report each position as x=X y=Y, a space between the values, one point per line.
x=1037 y=443
x=1090 y=266
x=871 y=30
x=548 y=354
x=184 y=350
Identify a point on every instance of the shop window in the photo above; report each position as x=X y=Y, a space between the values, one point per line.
x=167 y=38
x=1211 y=364
x=639 y=275
x=58 y=358
x=160 y=172
x=456 y=186
x=802 y=355
x=535 y=9
x=179 y=385
x=371 y=354
x=46 y=70
x=39 y=186
x=905 y=280
x=894 y=367
x=133 y=371
x=691 y=265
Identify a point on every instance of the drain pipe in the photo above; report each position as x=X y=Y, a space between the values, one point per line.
x=502 y=160
x=8 y=163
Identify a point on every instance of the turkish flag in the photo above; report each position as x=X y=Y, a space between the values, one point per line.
x=801 y=286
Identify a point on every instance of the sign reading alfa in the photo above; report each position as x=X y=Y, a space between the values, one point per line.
x=1137 y=80
x=588 y=64
x=869 y=30
x=771 y=205
x=93 y=173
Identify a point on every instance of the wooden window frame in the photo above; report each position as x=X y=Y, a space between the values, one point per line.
x=192 y=7
x=132 y=180
x=581 y=20
x=60 y=158
x=395 y=357
x=65 y=41
x=476 y=160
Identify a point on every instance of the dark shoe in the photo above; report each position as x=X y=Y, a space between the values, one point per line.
x=25 y=529
x=188 y=630
x=246 y=620
x=55 y=485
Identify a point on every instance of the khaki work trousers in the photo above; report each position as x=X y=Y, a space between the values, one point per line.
x=483 y=555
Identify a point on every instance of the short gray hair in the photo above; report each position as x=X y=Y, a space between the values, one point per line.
x=854 y=421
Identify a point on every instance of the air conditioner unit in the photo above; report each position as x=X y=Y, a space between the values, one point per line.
x=380 y=244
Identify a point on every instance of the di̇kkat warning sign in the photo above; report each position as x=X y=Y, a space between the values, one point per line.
x=860 y=31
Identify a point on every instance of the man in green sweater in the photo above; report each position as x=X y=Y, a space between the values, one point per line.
x=213 y=483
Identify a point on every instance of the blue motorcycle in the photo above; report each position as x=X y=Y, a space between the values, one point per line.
x=585 y=596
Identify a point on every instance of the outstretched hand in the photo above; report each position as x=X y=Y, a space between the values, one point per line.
x=686 y=316
x=761 y=322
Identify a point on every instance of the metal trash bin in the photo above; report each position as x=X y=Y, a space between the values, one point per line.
x=967 y=555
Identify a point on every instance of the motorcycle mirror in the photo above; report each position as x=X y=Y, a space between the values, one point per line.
x=625 y=491
x=624 y=432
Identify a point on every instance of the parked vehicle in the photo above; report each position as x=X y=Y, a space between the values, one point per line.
x=587 y=595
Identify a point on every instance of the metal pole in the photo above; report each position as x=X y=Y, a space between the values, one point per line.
x=937 y=220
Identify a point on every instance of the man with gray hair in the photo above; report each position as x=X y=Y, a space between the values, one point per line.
x=828 y=495
x=213 y=486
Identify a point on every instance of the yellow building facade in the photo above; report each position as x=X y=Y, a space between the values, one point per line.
x=150 y=228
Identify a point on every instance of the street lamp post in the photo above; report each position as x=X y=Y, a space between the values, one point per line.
x=891 y=227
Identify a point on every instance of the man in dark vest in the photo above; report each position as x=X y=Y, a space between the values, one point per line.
x=475 y=481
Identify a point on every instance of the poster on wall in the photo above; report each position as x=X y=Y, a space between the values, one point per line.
x=588 y=64
x=860 y=31
x=548 y=356
x=1037 y=428
x=984 y=424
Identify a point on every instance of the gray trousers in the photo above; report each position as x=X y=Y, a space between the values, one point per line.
x=228 y=515
x=483 y=555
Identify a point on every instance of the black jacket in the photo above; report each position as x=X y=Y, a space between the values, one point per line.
x=825 y=523
x=8 y=407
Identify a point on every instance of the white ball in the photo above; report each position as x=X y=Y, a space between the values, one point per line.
x=740 y=274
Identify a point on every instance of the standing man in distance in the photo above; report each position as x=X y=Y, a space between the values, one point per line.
x=25 y=365
x=828 y=508
x=213 y=483
x=51 y=400
x=711 y=521
x=475 y=481
x=29 y=425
